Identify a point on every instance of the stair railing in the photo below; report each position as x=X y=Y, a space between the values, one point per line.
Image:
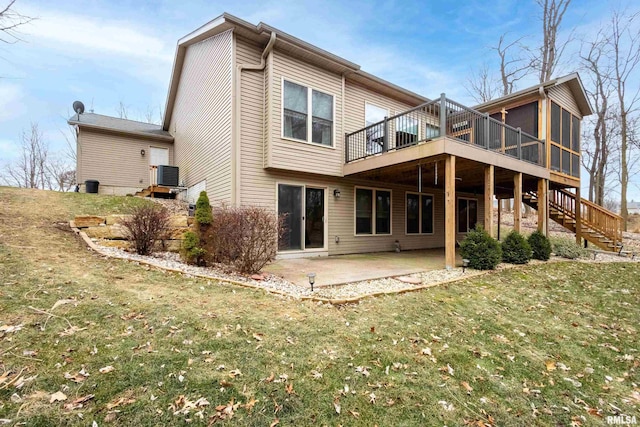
x=592 y=215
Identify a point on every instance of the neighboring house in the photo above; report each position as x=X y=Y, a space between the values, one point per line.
x=633 y=208
x=255 y=116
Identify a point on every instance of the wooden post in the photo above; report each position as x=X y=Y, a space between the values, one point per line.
x=517 y=201
x=499 y=216
x=543 y=206
x=488 y=199
x=578 y=217
x=450 y=212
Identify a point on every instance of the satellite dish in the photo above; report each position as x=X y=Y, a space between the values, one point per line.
x=78 y=107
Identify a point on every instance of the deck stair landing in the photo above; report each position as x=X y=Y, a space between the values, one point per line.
x=154 y=191
x=599 y=226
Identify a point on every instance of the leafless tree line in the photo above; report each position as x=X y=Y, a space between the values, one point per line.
x=608 y=63
x=37 y=167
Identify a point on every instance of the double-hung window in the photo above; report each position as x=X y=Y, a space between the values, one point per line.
x=373 y=211
x=307 y=114
x=419 y=213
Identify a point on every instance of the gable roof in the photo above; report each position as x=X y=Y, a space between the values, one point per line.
x=114 y=124
x=294 y=46
x=571 y=80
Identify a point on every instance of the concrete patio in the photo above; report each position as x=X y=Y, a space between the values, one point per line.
x=339 y=269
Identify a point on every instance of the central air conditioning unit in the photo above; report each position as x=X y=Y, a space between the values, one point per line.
x=168 y=176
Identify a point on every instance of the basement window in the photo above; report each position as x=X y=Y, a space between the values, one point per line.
x=373 y=211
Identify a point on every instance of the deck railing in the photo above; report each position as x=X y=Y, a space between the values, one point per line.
x=427 y=121
x=592 y=215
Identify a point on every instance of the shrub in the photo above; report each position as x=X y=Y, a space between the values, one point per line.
x=203 y=212
x=482 y=250
x=190 y=251
x=516 y=249
x=245 y=238
x=540 y=246
x=145 y=226
x=567 y=248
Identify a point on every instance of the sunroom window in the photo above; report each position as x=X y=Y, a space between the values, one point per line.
x=298 y=101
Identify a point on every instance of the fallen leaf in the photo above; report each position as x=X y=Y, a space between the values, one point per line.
x=61 y=302
x=235 y=373
x=58 y=396
x=106 y=369
x=355 y=414
x=110 y=417
x=274 y=423
x=258 y=337
x=289 y=388
x=336 y=405
x=79 y=402
x=551 y=365
x=119 y=402
x=466 y=386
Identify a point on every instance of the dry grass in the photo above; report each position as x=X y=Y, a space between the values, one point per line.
x=548 y=344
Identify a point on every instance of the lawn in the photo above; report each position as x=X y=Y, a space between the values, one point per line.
x=85 y=338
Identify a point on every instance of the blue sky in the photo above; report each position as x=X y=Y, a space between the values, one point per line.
x=107 y=52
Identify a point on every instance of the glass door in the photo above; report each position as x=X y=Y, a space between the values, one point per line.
x=290 y=208
x=314 y=218
x=303 y=210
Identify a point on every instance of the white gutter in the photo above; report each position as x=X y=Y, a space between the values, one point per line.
x=235 y=133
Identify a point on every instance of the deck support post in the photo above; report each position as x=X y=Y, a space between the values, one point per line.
x=543 y=206
x=450 y=212
x=499 y=216
x=578 y=209
x=517 y=201
x=488 y=199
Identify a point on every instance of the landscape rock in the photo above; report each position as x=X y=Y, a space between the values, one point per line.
x=177 y=221
x=83 y=221
x=115 y=219
x=409 y=279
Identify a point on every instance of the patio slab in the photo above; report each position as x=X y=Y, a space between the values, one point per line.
x=339 y=269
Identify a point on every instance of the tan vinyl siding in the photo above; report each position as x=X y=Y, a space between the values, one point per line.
x=115 y=160
x=563 y=97
x=252 y=126
x=300 y=156
x=341 y=217
x=355 y=98
x=201 y=119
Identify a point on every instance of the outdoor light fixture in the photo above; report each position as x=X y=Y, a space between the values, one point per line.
x=465 y=264
x=142 y=152
x=336 y=193
x=312 y=279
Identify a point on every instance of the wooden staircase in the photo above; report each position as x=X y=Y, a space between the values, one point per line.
x=154 y=191
x=598 y=225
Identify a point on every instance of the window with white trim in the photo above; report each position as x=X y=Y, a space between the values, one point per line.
x=467 y=214
x=298 y=102
x=419 y=213
x=372 y=211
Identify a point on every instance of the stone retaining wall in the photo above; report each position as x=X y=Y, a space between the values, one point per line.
x=108 y=231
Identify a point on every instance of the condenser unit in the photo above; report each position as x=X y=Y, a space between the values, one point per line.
x=168 y=176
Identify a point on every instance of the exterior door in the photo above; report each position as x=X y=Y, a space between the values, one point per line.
x=303 y=210
x=158 y=156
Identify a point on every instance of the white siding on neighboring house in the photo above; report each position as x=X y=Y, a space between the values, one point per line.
x=201 y=119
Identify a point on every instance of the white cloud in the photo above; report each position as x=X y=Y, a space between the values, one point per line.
x=11 y=101
x=67 y=31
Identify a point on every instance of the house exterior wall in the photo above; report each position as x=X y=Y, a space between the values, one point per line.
x=115 y=160
x=292 y=162
x=562 y=96
x=285 y=153
x=201 y=119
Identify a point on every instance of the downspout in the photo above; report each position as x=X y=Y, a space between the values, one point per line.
x=235 y=143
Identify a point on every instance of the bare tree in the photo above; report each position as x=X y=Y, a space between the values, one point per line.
x=551 y=49
x=29 y=170
x=10 y=21
x=513 y=66
x=61 y=176
x=123 y=110
x=625 y=50
x=598 y=140
x=482 y=86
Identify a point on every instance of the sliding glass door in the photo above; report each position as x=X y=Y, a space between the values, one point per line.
x=303 y=210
